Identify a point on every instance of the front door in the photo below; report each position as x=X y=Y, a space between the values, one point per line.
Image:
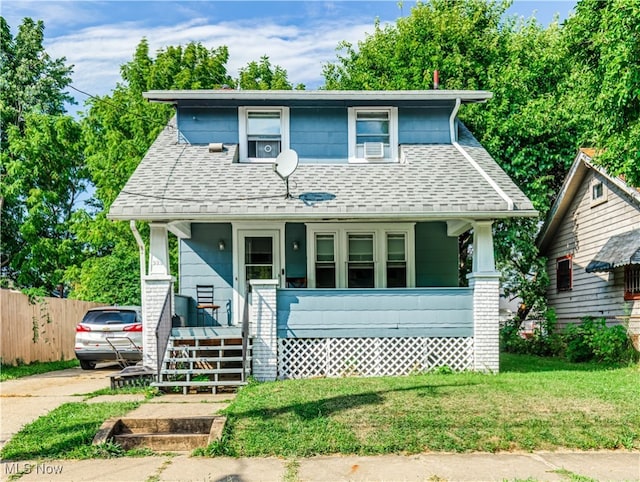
x=259 y=258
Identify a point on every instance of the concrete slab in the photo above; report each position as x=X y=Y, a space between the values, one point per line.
x=125 y=397
x=117 y=470
x=194 y=398
x=175 y=410
x=426 y=467
x=617 y=465
x=224 y=469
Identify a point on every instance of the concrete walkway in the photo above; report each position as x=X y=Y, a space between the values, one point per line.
x=25 y=399
x=542 y=466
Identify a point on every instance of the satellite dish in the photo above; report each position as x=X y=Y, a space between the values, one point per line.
x=286 y=163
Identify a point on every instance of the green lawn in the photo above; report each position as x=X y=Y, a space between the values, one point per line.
x=533 y=404
x=66 y=432
x=10 y=372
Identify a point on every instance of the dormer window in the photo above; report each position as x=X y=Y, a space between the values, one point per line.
x=264 y=133
x=373 y=134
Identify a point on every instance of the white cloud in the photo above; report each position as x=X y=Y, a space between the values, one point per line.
x=98 y=52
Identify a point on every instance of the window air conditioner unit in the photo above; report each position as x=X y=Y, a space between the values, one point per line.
x=374 y=150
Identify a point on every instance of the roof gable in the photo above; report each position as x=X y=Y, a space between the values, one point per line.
x=575 y=177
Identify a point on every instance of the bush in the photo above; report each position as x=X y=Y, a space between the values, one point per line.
x=594 y=340
x=544 y=341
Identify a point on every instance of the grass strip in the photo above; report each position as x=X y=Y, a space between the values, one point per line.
x=533 y=404
x=66 y=433
x=10 y=372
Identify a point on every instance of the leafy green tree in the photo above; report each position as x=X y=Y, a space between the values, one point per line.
x=603 y=40
x=118 y=130
x=474 y=45
x=263 y=76
x=41 y=170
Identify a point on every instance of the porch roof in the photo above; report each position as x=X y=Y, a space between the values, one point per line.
x=177 y=181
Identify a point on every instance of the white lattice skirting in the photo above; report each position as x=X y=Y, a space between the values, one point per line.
x=339 y=357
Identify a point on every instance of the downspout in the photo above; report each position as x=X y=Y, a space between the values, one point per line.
x=143 y=255
x=477 y=167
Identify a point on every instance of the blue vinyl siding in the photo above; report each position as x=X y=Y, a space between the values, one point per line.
x=318 y=133
x=436 y=255
x=202 y=126
x=296 y=261
x=429 y=312
x=201 y=262
x=423 y=126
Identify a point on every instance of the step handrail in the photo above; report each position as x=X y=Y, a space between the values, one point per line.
x=245 y=332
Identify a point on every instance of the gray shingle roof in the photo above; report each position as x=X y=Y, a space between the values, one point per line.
x=187 y=182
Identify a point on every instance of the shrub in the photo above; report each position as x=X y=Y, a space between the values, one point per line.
x=543 y=341
x=594 y=340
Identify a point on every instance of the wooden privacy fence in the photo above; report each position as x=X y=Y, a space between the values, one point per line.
x=43 y=331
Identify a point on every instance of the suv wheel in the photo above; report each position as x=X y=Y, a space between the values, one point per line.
x=87 y=364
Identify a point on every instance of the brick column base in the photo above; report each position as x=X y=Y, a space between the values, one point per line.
x=486 y=337
x=262 y=321
x=155 y=292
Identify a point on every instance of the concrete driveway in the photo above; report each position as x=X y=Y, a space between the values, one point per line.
x=25 y=399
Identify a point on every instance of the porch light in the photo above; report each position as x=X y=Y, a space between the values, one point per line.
x=221 y=245
x=296 y=245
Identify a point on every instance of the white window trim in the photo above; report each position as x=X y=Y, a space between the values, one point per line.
x=242 y=131
x=341 y=232
x=393 y=133
x=601 y=199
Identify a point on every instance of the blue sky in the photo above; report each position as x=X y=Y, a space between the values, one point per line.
x=97 y=37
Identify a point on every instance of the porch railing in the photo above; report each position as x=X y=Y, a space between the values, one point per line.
x=245 y=331
x=348 y=313
x=163 y=331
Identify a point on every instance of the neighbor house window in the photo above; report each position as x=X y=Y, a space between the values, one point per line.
x=373 y=134
x=598 y=192
x=396 y=261
x=325 y=261
x=632 y=282
x=564 y=273
x=264 y=133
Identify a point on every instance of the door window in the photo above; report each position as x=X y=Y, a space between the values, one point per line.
x=258 y=257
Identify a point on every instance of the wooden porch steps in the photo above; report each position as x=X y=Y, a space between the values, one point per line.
x=197 y=360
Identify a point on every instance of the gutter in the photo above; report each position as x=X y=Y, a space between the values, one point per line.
x=467 y=156
x=141 y=249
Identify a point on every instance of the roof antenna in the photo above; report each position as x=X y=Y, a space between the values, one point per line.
x=286 y=164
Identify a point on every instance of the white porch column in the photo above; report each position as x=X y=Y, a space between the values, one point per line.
x=262 y=321
x=485 y=281
x=156 y=285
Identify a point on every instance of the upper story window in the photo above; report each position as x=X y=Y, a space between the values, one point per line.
x=598 y=192
x=373 y=134
x=264 y=132
x=564 y=273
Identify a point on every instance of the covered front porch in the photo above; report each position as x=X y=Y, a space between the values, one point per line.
x=338 y=330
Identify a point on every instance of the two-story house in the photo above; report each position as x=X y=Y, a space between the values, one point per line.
x=352 y=261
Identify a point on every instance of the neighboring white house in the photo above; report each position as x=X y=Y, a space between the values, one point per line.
x=592 y=241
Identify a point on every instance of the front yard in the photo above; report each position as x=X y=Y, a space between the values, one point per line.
x=533 y=404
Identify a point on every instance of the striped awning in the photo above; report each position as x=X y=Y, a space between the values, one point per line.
x=619 y=250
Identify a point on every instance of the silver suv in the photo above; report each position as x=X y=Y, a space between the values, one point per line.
x=109 y=333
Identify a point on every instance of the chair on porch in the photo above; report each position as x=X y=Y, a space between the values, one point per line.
x=205 y=303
